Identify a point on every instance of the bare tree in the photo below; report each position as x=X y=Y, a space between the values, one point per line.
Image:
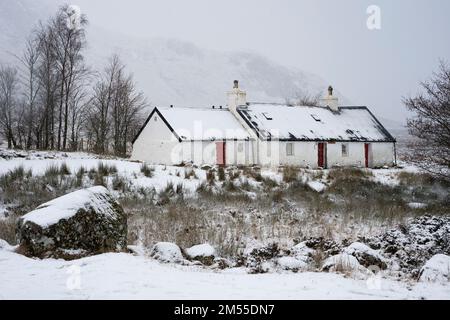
x=115 y=109
x=48 y=80
x=68 y=46
x=303 y=98
x=431 y=123
x=31 y=86
x=9 y=81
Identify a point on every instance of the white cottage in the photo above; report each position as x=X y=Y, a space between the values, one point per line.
x=266 y=134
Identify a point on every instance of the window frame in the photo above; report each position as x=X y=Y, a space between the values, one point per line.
x=345 y=149
x=289 y=149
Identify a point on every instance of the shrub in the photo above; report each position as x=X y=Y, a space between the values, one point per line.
x=290 y=174
x=8 y=230
x=147 y=170
x=99 y=180
x=348 y=173
x=119 y=183
x=64 y=169
x=105 y=169
x=188 y=173
x=234 y=174
x=269 y=183
x=221 y=173
x=230 y=186
x=51 y=171
x=211 y=176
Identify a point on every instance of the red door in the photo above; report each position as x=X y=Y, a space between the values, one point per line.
x=321 y=155
x=220 y=153
x=366 y=154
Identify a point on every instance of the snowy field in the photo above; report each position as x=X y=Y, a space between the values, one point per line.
x=138 y=276
x=125 y=276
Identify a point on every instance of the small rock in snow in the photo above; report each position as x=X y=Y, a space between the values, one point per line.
x=437 y=269
x=166 y=252
x=204 y=253
x=291 y=263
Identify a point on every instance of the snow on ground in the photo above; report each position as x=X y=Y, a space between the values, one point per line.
x=125 y=276
x=131 y=169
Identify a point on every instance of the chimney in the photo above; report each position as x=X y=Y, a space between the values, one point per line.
x=330 y=101
x=236 y=97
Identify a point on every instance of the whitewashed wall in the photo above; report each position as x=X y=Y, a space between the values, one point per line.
x=156 y=144
x=305 y=154
x=383 y=154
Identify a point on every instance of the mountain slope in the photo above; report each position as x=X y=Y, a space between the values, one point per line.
x=169 y=71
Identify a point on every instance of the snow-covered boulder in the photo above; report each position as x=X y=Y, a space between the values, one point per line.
x=166 y=252
x=81 y=223
x=365 y=255
x=204 y=253
x=292 y=263
x=342 y=263
x=437 y=269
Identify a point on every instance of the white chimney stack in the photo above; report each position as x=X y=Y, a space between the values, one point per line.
x=236 y=97
x=330 y=100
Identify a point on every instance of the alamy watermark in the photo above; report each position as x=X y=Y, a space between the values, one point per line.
x=374 y=19
x=73 y=281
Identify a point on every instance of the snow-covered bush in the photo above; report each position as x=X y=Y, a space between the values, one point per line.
x=365 y=255
x=343 y=263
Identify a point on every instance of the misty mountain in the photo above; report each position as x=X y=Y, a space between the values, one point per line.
x=169 y=71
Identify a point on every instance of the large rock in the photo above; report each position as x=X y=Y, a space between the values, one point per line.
x=365 y=255
x=81 y=223
x=437 y=269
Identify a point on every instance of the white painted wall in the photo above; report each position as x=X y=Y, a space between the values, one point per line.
x=156 y=144
x=383 y=154
x=305 y=154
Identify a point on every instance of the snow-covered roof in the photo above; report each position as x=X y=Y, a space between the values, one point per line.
x=202 y=123
x=299 y=123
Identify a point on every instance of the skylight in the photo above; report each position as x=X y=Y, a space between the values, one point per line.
x=267 y=116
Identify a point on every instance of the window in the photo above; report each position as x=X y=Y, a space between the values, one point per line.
x=289 y=149
x=156 y=118
x=345 y=149
x=315 y=117
x=267 y=116
x=240 y=147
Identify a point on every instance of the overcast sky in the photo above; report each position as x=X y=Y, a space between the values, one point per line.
x=327 y=37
